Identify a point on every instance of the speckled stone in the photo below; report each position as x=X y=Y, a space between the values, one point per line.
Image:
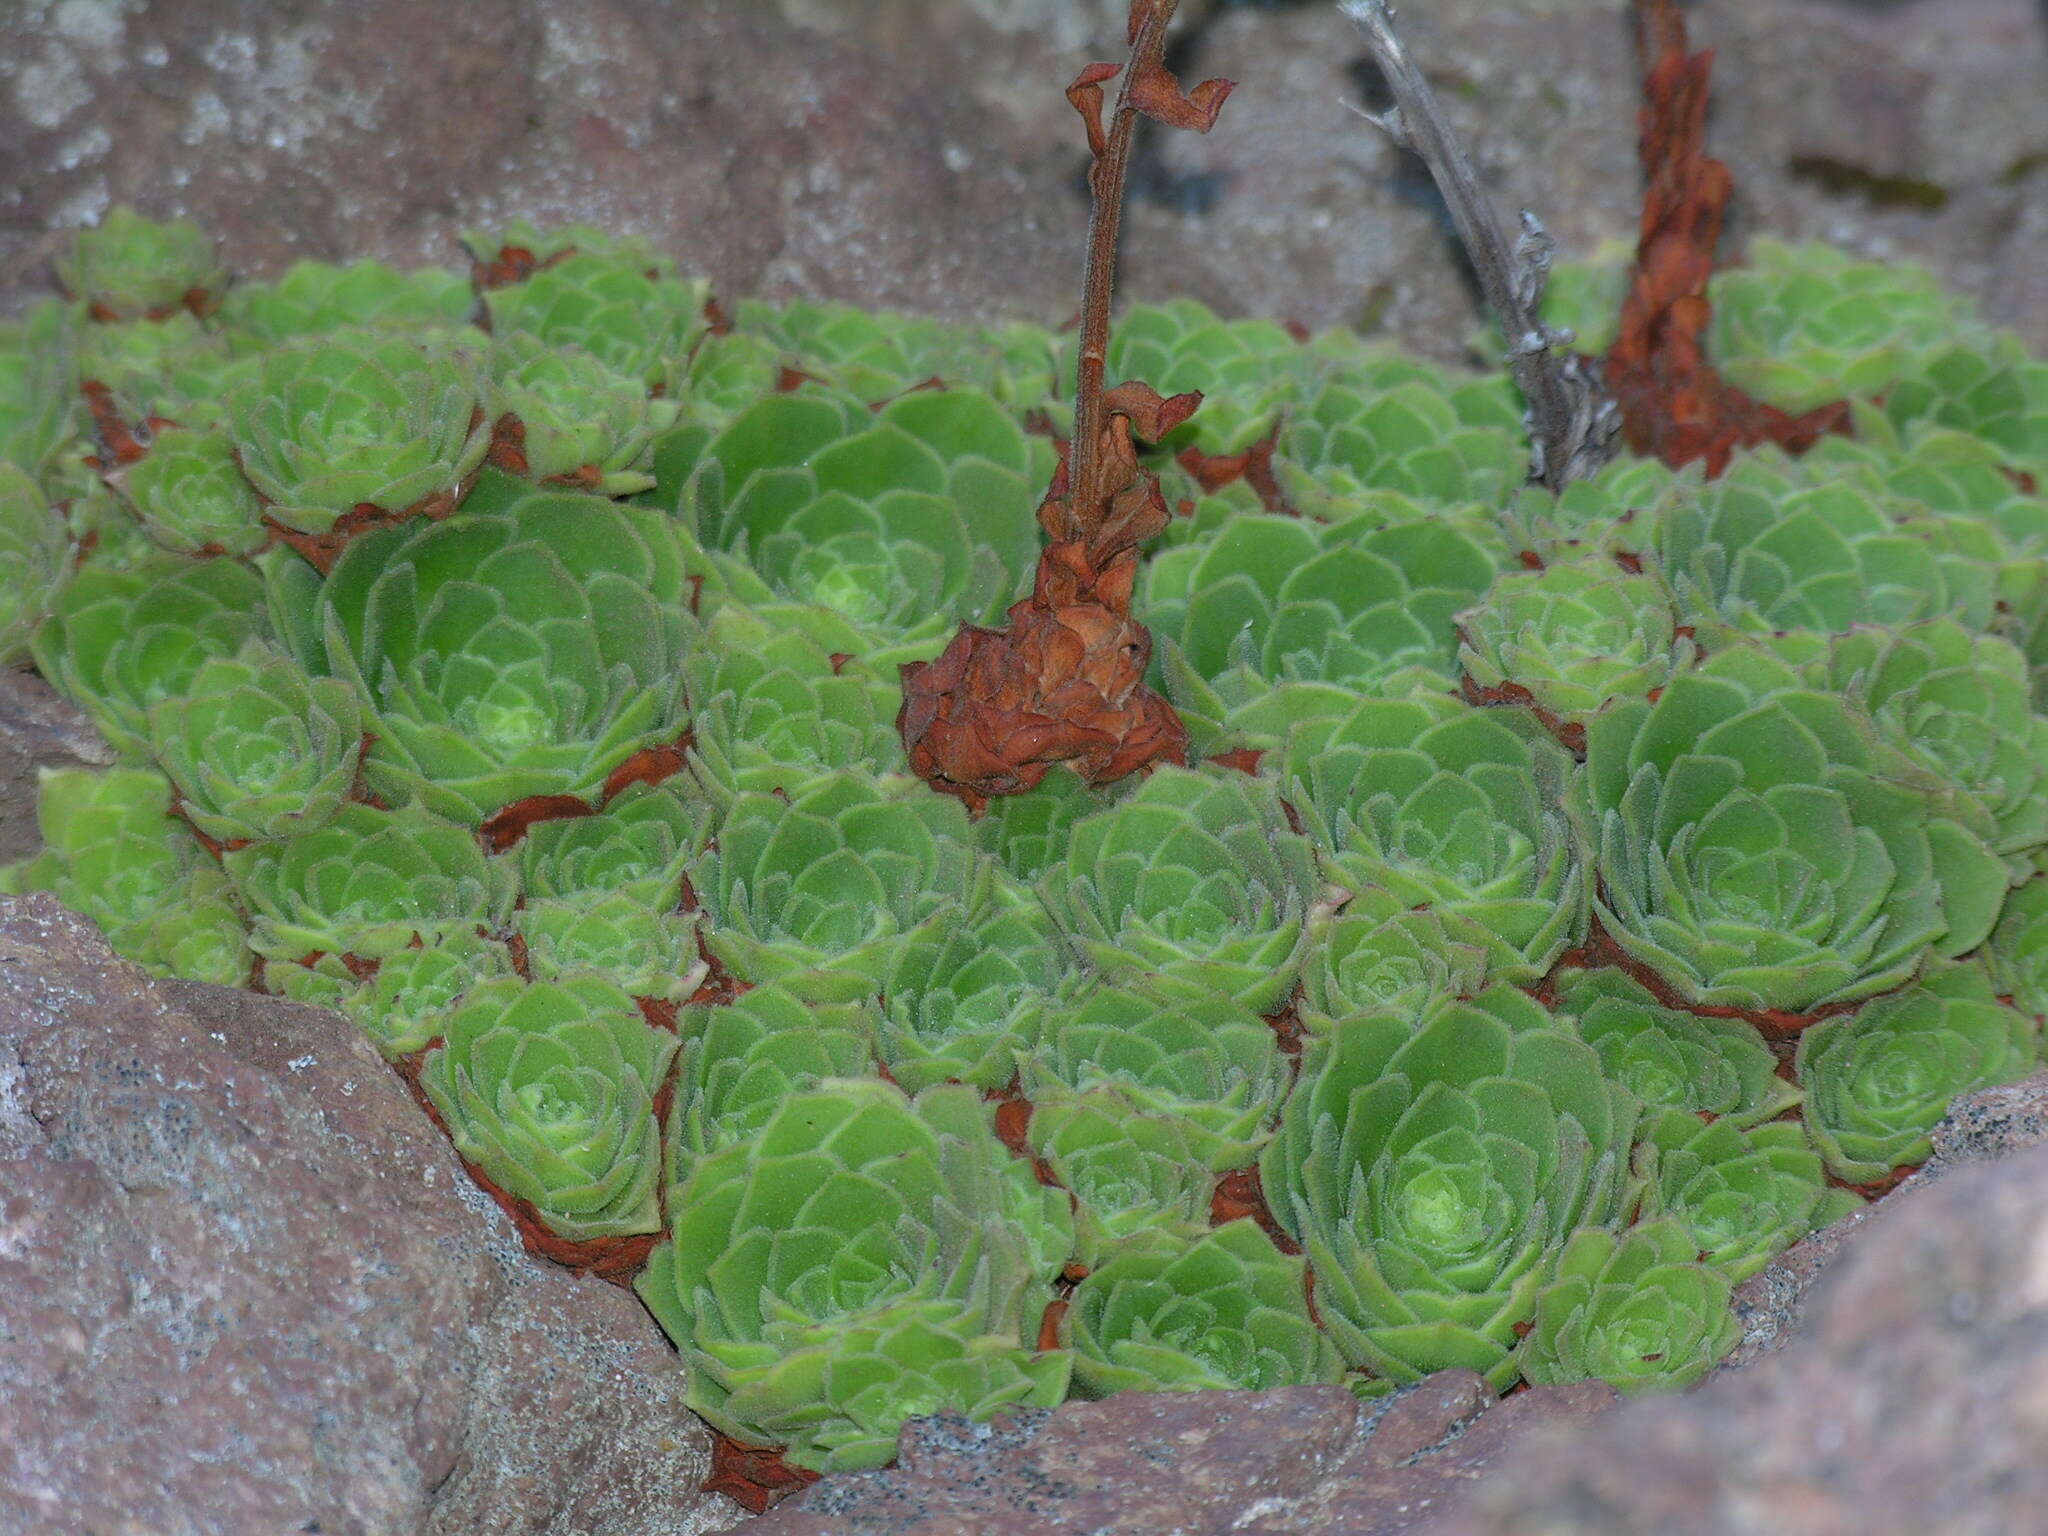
x=1915 y=1398
x=918 y=154
x=1293 y=1462
x=245 y=1287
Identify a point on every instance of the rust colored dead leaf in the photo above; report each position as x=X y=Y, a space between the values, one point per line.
x=504 y=828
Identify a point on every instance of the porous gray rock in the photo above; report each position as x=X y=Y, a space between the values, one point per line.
x=917 y=154
x=1914 y=1399
x=1299 y=1461
x=245 y=1287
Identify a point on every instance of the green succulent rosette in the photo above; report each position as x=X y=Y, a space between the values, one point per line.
x=404 y=1006
x=523 y=652
x=2017 y=955
x=1959 y=706
x=846 y=1389
x=1744 y=1194
x=1573 y=636
x=196 y=933
x=1449 y=806
x=191 y=497
x=112 y=849
x=548 y=1090
x=639 y=323
x=105 y=535
x=128 y=266
x=317 y=298
x=1633 y=1309
x=1422 y=437
x=1129 y=1172
x=822 y=891
x=122 y=639
x=32 y=560
x=256 y=748
x=863 y=1258
x=1196 y=876
x=1879 y=1080
x=578 y=416
x=1762 y=549
x=779 y=695
x=1993 y=389
x=1433 y=1172
x=1271 y=600
x=39 y=400
x=357 y=418
x=958 y=1004
x=1618 y=510
x=1027 y=375
x=1029 y=834
x=1756 y=852
x=905 y=521
x=1174 y=1050
x=650 y=954
x=368 y=883
x=1669 y=1059
x=175 y=369
x=871 y=356
x=744 y=1059
x=1945 y=471
x=1380 y=952
x=728 y=372
x=1224 y=1311
x=1804 y=325
x=636 y=848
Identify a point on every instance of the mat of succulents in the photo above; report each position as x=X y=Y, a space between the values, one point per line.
x=1563 y=902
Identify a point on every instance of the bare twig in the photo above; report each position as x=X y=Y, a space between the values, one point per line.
x=1570 y=421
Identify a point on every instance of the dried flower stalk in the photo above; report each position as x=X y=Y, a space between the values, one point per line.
x=1064 y=682
x=1571 y=422
x=1674 y=402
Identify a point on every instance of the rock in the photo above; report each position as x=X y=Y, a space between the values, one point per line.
x=38 y=729
x=902 y=153
x=1915 y=1398
x=1838 y=124
x=1291 y=1462
x=1989 y=1125
x=244 y=1286
x=1981 y=1127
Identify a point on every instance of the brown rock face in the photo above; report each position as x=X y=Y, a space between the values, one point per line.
x=244 y=1287
x=1912 y=1401
x=1296 y=1462
x=908 y=153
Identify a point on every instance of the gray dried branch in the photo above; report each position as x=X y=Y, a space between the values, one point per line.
x=1570 y=420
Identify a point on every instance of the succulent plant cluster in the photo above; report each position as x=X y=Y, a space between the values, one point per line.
x=1573 y=900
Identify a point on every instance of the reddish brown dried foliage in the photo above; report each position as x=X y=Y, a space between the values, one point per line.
x=650 y=765
x=1064 y=681
x=1674 y=403
x=753 y=1476
x=1241 y=1194
x=504 y=828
